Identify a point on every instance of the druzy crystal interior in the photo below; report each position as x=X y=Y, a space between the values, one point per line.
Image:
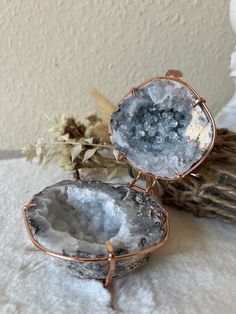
x=75 y=218
x=160 y=130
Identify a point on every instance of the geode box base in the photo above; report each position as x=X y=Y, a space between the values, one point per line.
x=99 y=230
x=99 y=271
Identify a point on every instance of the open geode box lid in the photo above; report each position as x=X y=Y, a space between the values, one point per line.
x=163 y=128
x=100 y=230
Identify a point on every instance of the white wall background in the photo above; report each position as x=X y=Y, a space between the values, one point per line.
x=52 y=53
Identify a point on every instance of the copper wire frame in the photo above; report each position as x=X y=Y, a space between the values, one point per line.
x=111 y=257
x=151 y=180
x=174 y=75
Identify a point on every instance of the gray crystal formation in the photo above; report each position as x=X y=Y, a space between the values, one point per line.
x=75 y=218
x=160 y=130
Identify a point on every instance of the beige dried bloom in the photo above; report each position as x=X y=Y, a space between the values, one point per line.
x=77 y=146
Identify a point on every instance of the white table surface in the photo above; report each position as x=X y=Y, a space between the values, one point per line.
x=195 y=272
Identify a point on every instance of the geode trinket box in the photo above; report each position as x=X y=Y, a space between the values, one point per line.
x=164 y=130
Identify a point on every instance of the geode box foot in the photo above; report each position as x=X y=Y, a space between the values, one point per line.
x=73 y=220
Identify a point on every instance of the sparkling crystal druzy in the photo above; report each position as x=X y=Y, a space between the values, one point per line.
x=160 y=130
x=76 y=218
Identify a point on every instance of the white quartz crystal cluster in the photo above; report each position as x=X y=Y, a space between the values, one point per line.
x=160 y=130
